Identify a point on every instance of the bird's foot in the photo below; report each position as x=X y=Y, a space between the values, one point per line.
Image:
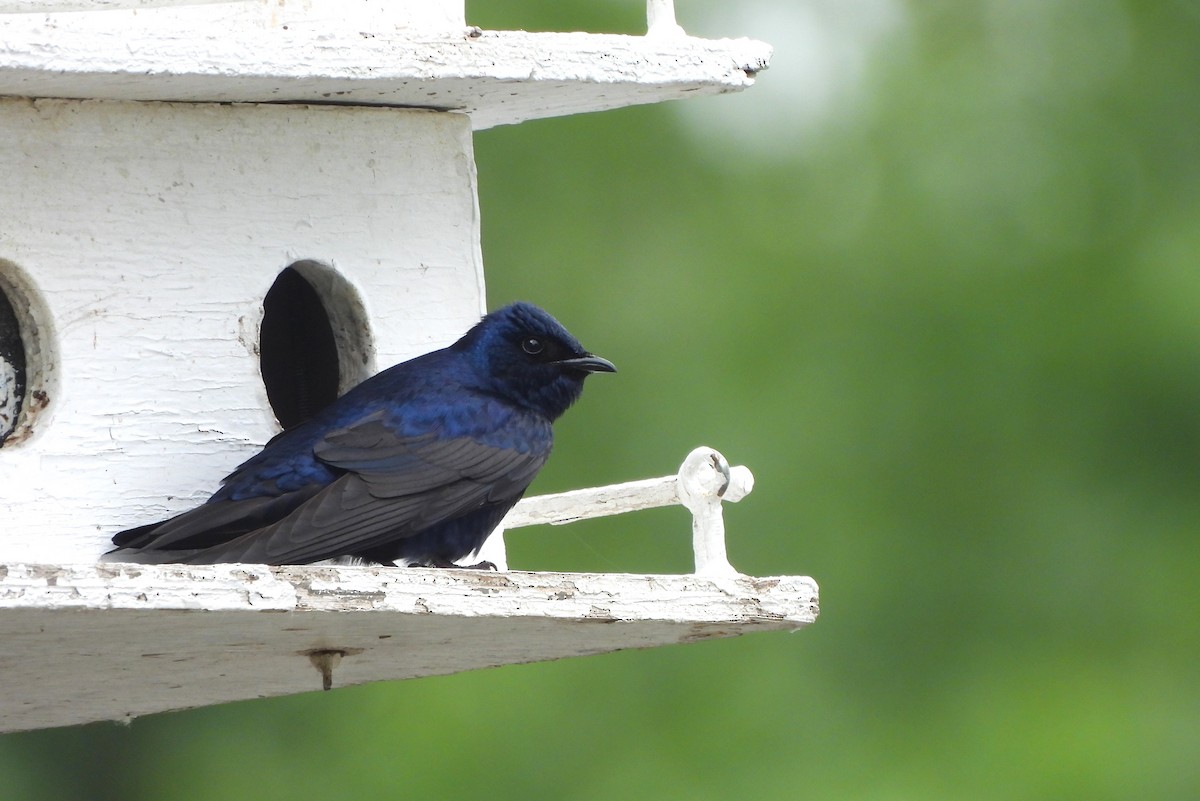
x=442 y=563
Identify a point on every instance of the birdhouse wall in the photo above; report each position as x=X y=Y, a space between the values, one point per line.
x=140 y=240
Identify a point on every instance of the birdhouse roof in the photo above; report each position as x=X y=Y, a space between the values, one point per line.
x=236 y=52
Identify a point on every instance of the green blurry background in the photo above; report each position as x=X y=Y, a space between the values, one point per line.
x=936 y=280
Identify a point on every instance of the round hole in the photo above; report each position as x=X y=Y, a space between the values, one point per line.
x=26 y=356
x=314 y=343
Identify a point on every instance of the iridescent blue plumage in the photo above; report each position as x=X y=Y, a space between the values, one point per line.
x=417 y=464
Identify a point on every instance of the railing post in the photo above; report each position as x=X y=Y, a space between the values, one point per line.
x=660 y=19
x=705 y=480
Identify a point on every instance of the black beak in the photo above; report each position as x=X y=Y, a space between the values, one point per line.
x=590 y=363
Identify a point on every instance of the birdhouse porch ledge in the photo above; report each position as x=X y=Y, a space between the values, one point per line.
x=91 y=642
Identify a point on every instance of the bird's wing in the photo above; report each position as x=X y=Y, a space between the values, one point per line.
x=395 y=486
x=395 y=466
x=214 y=523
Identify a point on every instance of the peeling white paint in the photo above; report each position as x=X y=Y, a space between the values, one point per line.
x=142 y=241
x=111 y=642
x=422 y=14
x=150 y=232
x=320 y=52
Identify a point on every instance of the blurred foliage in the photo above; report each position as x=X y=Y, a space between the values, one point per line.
x=954 y=329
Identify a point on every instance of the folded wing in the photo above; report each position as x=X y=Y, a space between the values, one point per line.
x=393 y=487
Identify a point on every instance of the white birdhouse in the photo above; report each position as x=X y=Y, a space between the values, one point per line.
x=220 y=216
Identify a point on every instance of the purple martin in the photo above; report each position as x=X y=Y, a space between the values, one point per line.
x=416 y=465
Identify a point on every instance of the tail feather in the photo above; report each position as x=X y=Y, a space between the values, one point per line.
x=209 y=524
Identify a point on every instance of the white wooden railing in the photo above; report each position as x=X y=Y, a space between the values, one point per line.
x=703 y=482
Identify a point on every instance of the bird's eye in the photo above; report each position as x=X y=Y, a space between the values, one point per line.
x=532 y=345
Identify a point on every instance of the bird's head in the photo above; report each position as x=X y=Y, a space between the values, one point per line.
x=524 y=355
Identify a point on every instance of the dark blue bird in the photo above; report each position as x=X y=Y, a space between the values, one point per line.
x=416 y=465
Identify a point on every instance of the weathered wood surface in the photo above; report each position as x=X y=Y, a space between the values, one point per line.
x=110 y=642
x=148 y=234
x=239 y=53
x=143 y=239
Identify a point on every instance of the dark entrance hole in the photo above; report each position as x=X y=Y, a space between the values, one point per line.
x=297 y=350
